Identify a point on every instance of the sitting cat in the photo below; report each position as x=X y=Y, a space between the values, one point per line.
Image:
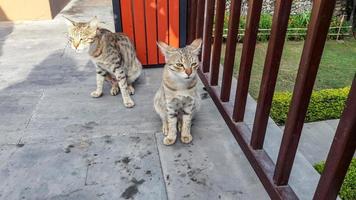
x=113 y=54
x=177 y=99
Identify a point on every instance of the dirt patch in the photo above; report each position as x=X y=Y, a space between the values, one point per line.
x=88 y=126
x=146 y=154
x=129 y=192
x=135 y=139
x=204 y=95
x=68 y=148
x=107 y=139
x=132 y=190
x=20 y=145
x=126 y=160
x=195 y=175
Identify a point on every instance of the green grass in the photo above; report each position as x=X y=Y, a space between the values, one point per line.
x=336 y=70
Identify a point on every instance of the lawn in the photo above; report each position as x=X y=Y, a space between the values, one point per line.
x=336 y=70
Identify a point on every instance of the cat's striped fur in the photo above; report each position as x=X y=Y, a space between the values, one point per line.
x=177 y=99
x=113 y=54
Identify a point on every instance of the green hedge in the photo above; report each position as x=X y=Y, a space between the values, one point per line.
x=324 y=104
x=295 y=21
x=348 y=188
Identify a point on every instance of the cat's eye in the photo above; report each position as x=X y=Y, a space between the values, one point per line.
x=194 y=64
x=180 y=65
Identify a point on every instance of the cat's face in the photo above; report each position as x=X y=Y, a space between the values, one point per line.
x=182 y=62
x=81 y=34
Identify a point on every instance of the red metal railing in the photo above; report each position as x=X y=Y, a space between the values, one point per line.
x=274 y=176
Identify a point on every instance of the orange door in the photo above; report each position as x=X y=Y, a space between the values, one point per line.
x=149 y=21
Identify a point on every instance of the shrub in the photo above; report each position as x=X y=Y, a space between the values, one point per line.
x=348 y=188
x=324 y=104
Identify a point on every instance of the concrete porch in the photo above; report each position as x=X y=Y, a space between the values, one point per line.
x=56 y=142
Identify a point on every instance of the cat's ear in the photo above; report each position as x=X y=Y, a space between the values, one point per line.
x=166 y=50
x=195 y=46
x=94 y=22
x=68 y=21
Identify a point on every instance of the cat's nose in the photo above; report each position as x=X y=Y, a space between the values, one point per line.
x=188 y=71
x=76 y=45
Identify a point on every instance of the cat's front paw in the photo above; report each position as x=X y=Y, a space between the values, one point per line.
x=169 y=140
x=165 y=129
x=96 y=94
x=114 y=91
x=131 y=89
x=186 y=138
x=129 y=103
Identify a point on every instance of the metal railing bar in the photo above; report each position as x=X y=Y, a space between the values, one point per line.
x=207 y=36
x=313 y=48
x=200 y=19
x=218 y=38
x=234 y=20
x=270 y=72
x=341 y=151
x=248 y=52
x=192 y=20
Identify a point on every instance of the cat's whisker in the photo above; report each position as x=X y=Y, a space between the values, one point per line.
x=64 y=49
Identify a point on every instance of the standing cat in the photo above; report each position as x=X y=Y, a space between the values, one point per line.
x=177 y=99
x=113 y=54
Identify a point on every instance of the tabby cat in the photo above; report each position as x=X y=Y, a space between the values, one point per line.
x=177 y=99
x=113 y=54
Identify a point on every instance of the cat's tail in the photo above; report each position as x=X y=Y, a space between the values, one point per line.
x=135 y=71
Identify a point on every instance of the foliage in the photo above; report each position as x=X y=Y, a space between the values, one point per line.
x=297 y=26
x=324 y=104
x=351 y=13
x=348 y=188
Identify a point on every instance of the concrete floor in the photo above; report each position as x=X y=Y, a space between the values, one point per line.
x=56 y=142
x=316 y=139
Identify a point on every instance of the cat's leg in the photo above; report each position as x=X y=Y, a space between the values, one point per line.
x=100 y=77
x=172 y=127
x=121 y=78
x=114 y=85
x=131 y=89
x=186 y=136
x=114 y=89
x=160 y=107
x=187 y=117
x=164 y=120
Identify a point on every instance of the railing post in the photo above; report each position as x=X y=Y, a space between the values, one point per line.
x=341 y=151
x=313 y=48
x=207 y=36
x=248 y=51
x=234 y=22
x=192 y=10
x=270 y=71
x=200 y=19
x=218 y=37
